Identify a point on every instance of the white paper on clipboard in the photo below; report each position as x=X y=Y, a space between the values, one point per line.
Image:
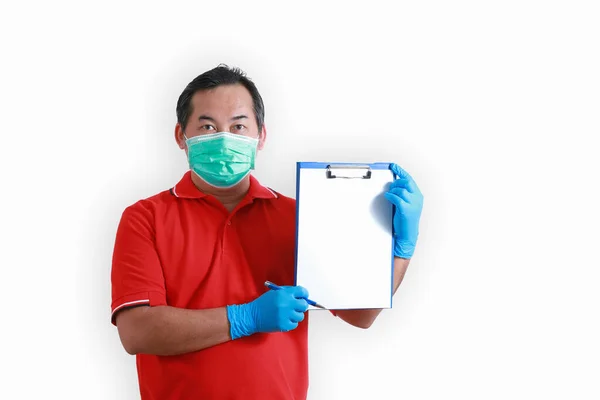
x=344 y=243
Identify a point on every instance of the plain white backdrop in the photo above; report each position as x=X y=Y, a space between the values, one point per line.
x=493 y=107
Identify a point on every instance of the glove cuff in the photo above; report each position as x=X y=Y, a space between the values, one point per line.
x=404 y=249
x=241 y=320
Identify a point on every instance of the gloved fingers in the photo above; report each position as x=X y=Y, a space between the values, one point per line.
x=299 y=292
x=289 y=326
x=402 y=174
x=404 y=179
x=407 y=184
x=300 y=305
x=402 y=193
x=396 y=200
x=401 y=183
x=296 y=316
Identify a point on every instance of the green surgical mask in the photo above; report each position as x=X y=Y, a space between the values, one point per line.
x=221 y=159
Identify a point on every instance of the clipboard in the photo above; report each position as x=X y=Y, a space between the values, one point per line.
x=344 y=234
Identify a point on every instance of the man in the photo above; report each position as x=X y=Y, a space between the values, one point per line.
x=190 y=263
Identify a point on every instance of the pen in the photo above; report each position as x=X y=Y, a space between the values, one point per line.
x=273 y=286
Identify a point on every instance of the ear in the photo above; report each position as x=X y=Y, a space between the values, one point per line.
x=179 y=136
x=262 y=137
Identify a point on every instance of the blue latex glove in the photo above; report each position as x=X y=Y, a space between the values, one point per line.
x=408 y=201
x=275 y=311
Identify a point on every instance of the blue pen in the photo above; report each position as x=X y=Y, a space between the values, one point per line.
x=273 y=286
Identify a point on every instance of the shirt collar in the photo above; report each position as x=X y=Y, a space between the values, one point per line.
x=186 y=189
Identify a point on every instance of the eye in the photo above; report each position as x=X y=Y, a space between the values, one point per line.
x=239 y=127
x=207 y=127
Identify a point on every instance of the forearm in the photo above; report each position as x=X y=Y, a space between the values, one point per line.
x=165 y=330
x=365 y=317
x=400 y=267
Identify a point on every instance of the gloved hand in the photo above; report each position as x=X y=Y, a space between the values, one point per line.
x=406 y=196
x=274 y=311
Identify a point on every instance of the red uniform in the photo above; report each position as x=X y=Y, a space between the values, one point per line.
x=182 y=248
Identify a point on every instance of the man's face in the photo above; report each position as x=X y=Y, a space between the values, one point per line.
x=226 y=108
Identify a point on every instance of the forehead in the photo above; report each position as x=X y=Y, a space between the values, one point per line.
x=222 y=101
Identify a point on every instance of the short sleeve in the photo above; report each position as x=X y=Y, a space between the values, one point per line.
x=136 y=276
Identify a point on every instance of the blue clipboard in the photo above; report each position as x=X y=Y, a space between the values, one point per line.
x=324 y=235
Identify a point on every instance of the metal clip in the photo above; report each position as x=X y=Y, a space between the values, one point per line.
x=348 y=171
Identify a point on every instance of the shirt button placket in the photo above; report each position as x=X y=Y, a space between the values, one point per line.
x=227 y=226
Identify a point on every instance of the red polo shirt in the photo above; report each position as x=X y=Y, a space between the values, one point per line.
x=182 y=248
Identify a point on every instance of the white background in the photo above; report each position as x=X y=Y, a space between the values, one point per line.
x=493 y=107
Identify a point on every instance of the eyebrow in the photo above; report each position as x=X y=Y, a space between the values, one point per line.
x=236 y=118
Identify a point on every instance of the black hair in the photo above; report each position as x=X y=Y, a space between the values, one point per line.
x=218 y=76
